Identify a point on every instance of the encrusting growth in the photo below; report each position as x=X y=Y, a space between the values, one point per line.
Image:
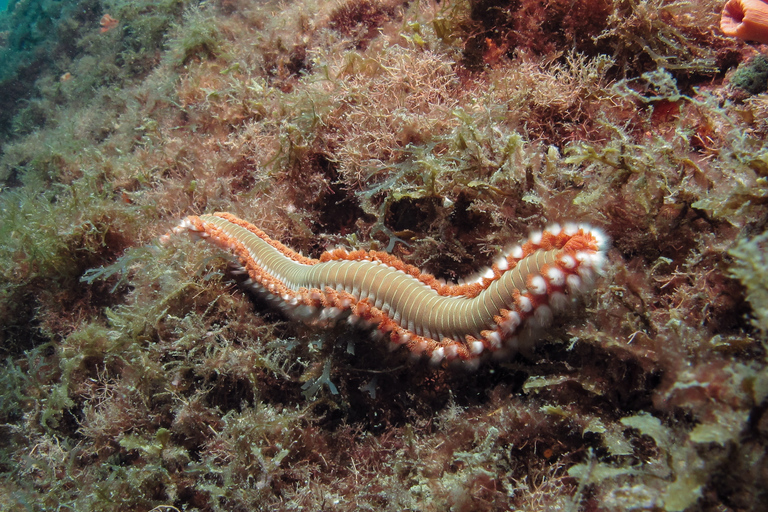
x=441 y=321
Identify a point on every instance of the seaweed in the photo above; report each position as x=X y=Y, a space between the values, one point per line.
x=138 y=375
x=749 y=267
x=752 y=76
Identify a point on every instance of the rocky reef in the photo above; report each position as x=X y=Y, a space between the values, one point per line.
x=140 y=376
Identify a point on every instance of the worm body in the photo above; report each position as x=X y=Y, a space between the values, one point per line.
x=440 y=321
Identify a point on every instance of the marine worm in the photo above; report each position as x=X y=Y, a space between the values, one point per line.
x=495 y=314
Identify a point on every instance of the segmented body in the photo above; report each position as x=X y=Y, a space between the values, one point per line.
x=433 y=319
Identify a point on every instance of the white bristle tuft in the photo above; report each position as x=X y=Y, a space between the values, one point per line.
x=568 y=261
x=598 y=261
x=558 y=301
x=538 y=285
x=600 y=237
x=587 y=275
x=437 y=355
x=543 y=315
x=555 y=229
x=495 y=339
x=574 y=283
x=556 y=276
x=511 y=322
